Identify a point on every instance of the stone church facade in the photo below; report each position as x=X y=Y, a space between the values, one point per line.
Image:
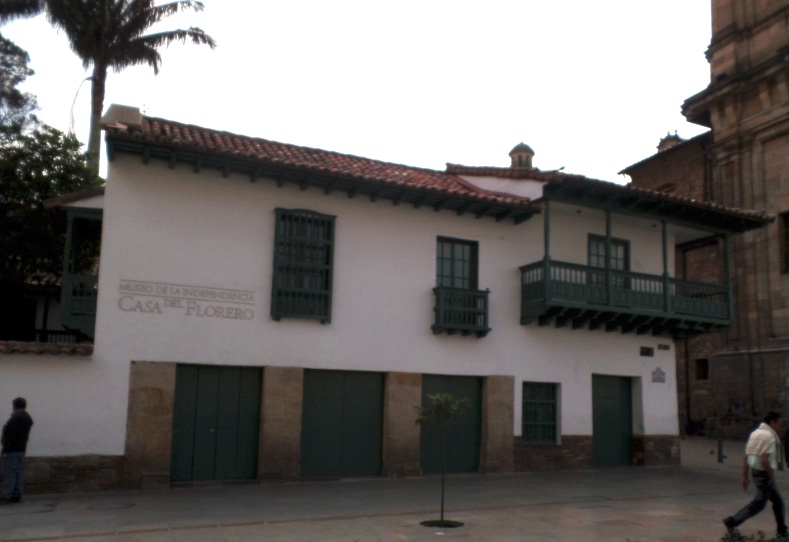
x=727 y=379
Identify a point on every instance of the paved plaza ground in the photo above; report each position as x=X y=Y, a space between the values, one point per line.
x=678 y=504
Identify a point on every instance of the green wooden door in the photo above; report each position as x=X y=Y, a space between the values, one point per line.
x=612 y=421
x=342 y=423
x=216 y=420
x=463 y=437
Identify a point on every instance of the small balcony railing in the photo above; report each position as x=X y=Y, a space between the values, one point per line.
x=571 y=291
x=461 y=311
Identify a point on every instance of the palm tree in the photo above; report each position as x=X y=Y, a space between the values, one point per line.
x=109 y=34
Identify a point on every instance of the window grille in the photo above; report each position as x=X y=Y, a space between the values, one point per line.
x=540 y=413
x=303 y=258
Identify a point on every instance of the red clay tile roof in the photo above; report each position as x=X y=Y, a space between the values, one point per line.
x=561 y=178
x=173 y=140
x=204 y=140
x=19 y=347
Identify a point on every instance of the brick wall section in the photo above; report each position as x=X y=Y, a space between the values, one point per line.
x=696 y=397
x=656 y=450
x=575 y=452
x=683 y=166
x=76 y=474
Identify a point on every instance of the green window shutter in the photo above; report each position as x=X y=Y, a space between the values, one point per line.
x=303 y=263
x=540 y=413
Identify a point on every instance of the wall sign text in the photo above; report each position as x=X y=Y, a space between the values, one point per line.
x=198 y=301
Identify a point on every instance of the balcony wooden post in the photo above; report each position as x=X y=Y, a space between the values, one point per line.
x=66 y=293
x=547 y=240
x=666 y=277
x=727 y=278
x=609 y=282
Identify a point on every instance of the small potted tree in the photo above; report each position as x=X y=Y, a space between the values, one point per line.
x=442 y=411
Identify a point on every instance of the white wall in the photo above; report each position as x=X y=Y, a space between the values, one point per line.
x=175 y=227
x=570 y=226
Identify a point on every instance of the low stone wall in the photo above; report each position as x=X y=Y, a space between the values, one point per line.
x=656 y=450
x=76 y=474
x=575 y=452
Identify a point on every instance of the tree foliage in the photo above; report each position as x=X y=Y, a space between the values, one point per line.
x=34 y=167
x=37 y=162
x=108 y=34
x=442 y=410
x=16 y=107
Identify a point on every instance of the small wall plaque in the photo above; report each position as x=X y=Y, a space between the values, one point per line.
x=658 y=375
x=664 y=347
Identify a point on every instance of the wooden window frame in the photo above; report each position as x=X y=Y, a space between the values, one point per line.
x=616 y=243
x=303 y=265
x=702 y=369
x=532 y=401
x=451 y=278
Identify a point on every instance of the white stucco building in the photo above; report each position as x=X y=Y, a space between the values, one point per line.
x=272 y=311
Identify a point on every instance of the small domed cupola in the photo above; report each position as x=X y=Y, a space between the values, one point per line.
x=521 y=156
x=671 y=140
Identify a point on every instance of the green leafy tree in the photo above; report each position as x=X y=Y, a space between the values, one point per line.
x=440 y=414
x=108 y=34
x=16 y=107
x=34 y=167
x=37 y=162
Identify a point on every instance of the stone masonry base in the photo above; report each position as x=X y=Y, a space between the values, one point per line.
x=575 y=452
x=76 y=474
x=103 y=473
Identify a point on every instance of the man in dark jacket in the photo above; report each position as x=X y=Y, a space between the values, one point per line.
x=14 y=444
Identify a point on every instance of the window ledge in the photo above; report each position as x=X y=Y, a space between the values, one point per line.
x=66 y=349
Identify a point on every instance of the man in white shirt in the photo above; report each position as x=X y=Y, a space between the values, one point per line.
x=761 y=459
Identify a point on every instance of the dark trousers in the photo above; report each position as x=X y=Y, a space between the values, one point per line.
x=13 y=470
x=765 y=491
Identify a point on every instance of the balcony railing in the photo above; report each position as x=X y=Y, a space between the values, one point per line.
x=631 y=301
x=461 y=311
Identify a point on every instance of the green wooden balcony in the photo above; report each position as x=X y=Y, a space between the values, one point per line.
x=78 y=303
x=567 y=294
x=461 y=311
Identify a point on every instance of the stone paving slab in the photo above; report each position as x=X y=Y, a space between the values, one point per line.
x=657 y=504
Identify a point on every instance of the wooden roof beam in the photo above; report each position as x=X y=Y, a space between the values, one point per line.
x=463 y=208
x=418 y=202
x=503 y=215
x=398 y=199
